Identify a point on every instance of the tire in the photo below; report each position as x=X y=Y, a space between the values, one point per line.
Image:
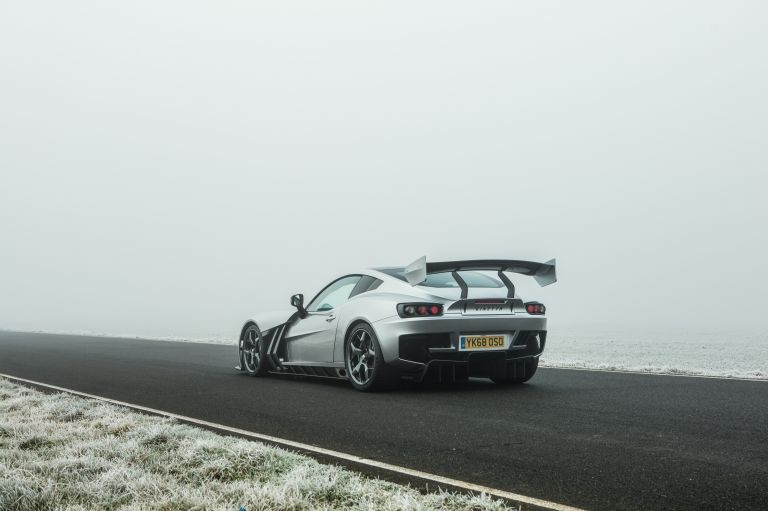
x=253 y=351
x=364 y=361
x=530 y=369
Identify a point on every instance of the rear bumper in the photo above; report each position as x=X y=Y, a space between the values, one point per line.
x=422 y=346
x=439 y=364
x=486 y=366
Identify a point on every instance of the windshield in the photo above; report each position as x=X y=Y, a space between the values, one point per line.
x=446 y=280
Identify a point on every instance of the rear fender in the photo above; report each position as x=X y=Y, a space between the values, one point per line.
x=368 y=308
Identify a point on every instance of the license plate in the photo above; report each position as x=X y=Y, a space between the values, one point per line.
x=482 y=342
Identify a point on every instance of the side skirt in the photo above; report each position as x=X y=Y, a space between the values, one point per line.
x=323 y=370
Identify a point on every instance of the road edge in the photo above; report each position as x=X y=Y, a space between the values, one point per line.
x=394 y=473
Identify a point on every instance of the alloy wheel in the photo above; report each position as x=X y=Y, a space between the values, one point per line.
x=251 y=351
x=361 y=354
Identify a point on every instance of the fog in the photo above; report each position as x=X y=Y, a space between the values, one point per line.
x=167 y=168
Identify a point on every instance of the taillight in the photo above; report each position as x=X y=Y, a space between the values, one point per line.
x=415 y=310
x=535 y=308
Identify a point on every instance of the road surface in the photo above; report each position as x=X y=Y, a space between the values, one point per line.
x=590 y=439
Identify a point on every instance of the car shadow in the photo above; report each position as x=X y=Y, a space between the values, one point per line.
x=466 y=386
x=484 y=385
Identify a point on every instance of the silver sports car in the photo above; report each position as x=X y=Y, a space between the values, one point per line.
x=436 y=320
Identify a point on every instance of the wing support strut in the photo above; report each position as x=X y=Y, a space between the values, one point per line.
x=508 y=283
x=462 y=284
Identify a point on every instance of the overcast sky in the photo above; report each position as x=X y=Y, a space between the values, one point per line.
x=167 y=168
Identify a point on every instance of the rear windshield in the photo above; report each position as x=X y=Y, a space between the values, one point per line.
x=446 y=280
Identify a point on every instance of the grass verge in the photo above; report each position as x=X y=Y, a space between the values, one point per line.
x=59 y=451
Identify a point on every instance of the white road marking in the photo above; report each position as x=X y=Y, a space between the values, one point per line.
x=652 y=373
x=319 y=450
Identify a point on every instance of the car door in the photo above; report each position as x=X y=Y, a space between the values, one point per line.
x=311 y=339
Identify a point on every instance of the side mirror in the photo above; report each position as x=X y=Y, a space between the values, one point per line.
x=298 y=302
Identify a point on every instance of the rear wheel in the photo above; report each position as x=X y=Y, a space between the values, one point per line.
x=519 y=375
x=365 y=363
x=253 y=352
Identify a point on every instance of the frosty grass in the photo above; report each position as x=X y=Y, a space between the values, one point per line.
x=59 y=451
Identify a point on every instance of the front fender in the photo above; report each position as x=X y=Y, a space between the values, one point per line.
x=268 y=320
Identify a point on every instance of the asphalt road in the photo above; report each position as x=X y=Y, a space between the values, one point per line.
x=596 y=440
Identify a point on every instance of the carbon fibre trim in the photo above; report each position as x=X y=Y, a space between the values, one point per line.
x=483 y=365
x=274 y=343
x=320 y=371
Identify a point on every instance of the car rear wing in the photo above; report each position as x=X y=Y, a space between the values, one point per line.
x=544 y=273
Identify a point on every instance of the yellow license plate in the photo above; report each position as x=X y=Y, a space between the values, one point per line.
x=482 y=342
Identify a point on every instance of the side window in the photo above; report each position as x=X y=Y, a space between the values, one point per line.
x=366 y=283
x=334 y=295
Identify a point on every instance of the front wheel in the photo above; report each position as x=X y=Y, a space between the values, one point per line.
x=253 y=352
x=364 y=361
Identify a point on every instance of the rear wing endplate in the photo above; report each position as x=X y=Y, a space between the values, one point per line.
x=544 y=273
